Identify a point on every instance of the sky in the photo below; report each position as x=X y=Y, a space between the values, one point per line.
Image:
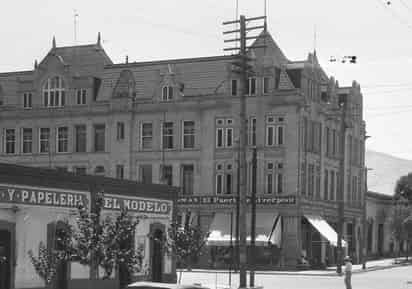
x=378 y=32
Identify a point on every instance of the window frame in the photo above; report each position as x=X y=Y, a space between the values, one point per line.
x=167 y=93
x=99 y=127
x=233 y=87
x=65 y=141
x=27 y=100
x=120 y=171
x=191 y=134
x=265 y=84
x=54 y=97
x=143 y=137
x=120 y=131
x=42 y=140
x=76 y=138
x=6 y=142
x=171 y=143
x=23 y=141
x=251 y=86
x=81 y=96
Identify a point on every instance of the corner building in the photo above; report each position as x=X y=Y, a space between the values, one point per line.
x=176 y=122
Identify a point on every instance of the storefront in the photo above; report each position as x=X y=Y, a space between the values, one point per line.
x=288 y=228
x=34 y=203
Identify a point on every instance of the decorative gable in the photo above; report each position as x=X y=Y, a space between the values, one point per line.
x=125 y=86
x=284 y=81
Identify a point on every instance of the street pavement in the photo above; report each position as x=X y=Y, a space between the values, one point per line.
x=381 y=278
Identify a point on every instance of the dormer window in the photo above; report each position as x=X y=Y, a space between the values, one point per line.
x=167 y=93
x=54 y=92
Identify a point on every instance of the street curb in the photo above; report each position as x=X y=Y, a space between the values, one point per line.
x=291 y=273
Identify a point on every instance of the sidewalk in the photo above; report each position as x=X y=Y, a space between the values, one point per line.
x=330 y=271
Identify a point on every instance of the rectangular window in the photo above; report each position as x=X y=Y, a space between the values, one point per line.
x=219 y=184
x=62 y=139
x=228 y=183
x=229 y=137
x=27 y=100
x=265 y=85
x=120 y=131
x=44 y=140
x=327 y=141
x=251 y=86
x=270 y=135
x=167 y=175
x=81 y=95
x=188 y=134
x=279 y=183
x=147 y=135
x=219 y=137
x=10 y=141
x=332 y=185
x=167 y=93
x=99 y=137
x=27 y=140
x=269 y=183
x=311 y=179
x=280 y=135
x=145 y=172
x=80 y=171
x=333 y=143
x=326 y=185
x=233 y=87
x=252 y=131
x=167 y=135
x=80 y=138
x=119 y=172
x=187 y=179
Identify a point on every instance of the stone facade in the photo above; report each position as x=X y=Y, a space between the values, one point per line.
x=176 y=121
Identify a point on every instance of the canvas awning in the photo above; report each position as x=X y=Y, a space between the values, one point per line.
x=220 y=229
x=325 y=229
x=275 y=237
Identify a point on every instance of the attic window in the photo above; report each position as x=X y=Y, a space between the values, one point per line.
x=54 y=92
x=167 y=93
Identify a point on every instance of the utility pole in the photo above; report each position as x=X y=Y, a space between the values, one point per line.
x=253 y=223
x=341 y=197
x=242 y=63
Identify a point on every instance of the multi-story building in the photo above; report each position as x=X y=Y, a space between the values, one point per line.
x=177 y=121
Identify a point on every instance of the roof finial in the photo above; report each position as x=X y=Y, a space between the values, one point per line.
x=54 y=42
x=35 y=64
x=127 y=59
x=98 y=39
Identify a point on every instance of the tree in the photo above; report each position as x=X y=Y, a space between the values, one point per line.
x=186 y=242
x=403 y=187
x=60 y=251
x=399 y=214
x=107 y=243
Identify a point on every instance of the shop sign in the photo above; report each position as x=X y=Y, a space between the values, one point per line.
x=223 y=200
x=138 y=205
x=41 y=197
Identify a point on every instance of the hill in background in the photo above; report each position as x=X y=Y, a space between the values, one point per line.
x=386 y=170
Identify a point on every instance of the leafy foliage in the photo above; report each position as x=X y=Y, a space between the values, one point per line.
x=399 y=230
x=403 y=187
x=45 y=263
x=186 y=241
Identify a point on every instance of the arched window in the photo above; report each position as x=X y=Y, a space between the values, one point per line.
x=54 y=92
